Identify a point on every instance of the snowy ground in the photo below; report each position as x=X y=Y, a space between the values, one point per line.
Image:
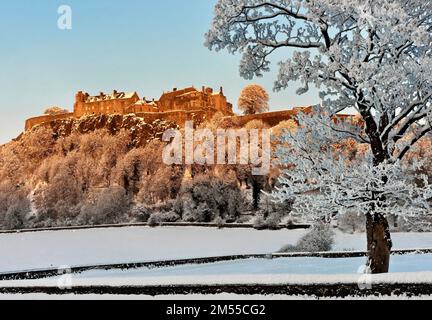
x=299 y=266
x=204 y=297
x=223 y=279
x=24 y=251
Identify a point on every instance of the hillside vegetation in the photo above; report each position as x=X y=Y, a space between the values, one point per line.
x=109 y=169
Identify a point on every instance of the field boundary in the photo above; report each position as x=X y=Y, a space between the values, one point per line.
x=162 y=224
x=344 y=290
x=51 y=272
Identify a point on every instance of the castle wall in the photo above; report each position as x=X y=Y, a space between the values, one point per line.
x=32 y=122
x=270 y=118
x=181 y=116
x=275 y=117
x=177 y=116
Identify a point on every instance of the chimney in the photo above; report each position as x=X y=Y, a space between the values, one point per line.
x=174 y=89
x=203 y=89
x=221 y=90
x=101 y=94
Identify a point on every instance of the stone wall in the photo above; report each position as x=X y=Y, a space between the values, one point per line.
x=32 y=122
x=181 y=116
x=270 y=118
x=177 y=116
x=275 y=117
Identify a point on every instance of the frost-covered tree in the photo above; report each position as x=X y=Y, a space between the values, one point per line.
x=325 y=180
x=371 y=55
x=253 y=99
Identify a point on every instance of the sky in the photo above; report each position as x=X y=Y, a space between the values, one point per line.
x=146 y=46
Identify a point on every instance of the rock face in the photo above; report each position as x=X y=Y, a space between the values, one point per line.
x=140 y=131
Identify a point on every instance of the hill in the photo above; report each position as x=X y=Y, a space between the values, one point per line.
x=108 y=169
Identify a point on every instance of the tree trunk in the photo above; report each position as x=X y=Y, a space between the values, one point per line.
x=256 y=191
x=378 y=243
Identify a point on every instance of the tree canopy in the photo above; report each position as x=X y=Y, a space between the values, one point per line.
x=374 y=56
x=253 y=99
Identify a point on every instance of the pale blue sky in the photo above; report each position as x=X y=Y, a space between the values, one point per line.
x=143 y=45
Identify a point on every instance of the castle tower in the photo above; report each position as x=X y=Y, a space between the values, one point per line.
x=80 y=98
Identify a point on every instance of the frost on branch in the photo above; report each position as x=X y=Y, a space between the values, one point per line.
x=371 y=55
x=327 y=172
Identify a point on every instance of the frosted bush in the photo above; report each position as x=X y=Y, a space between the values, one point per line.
x=319 y=238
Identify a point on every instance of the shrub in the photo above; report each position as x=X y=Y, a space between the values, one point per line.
x=259 y=223
x=110 y=205
x=158 y=217
x=220 y=222
x=203 y=200
x=204 y=213
x=319 y=238
x=276 y=210
x=169 y=216
x=244 y=219
x=141 y=213
x=14 y=218
x=14 y=205
x=272 y=222
x=154 y=220
x=352 y=223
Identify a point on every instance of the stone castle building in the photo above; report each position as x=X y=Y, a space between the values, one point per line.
x=186 y=100
x=176 y=105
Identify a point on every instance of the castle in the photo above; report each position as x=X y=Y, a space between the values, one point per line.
x=177 y=106
x=187 y=99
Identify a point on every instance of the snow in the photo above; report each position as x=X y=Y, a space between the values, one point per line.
x=51 y=249
x=330 y=266
x=222 y=279
x=211 y=297
x=23 y=251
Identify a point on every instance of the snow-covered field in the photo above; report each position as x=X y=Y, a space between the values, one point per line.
x=24 y=251
x=222 y=279
x=298 y=265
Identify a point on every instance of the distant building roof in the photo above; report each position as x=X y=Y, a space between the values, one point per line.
x=112 y=96
x=145 y=103
x=187 y=94
x=176 y=92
